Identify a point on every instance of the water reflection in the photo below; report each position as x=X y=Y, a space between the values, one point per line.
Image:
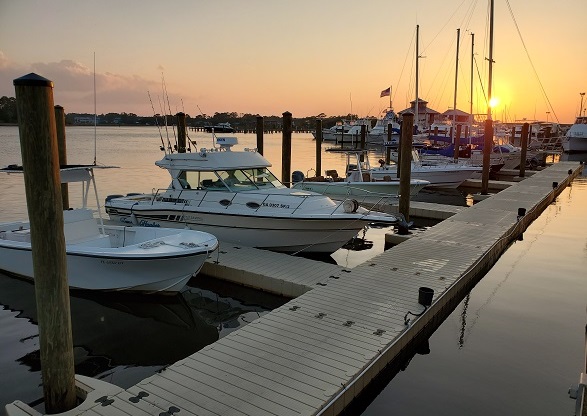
x=123 y=338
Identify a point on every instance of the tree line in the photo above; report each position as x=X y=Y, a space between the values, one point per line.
x=240 y=121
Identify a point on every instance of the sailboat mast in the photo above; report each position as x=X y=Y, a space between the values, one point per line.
x=490 y=59
x=488 y=130
x=95 y=112
x=472 y=68
x=416 y=116
x=454 y=107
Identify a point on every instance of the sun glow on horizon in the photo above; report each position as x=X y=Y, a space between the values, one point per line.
x=493 y=102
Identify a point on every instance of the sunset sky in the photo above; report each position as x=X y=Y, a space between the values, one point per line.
x=306 y=57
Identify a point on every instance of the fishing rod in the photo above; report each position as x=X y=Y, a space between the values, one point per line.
x=165 y=119
x=156 y=122
x=165 y=95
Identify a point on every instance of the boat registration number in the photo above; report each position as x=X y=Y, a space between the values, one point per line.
x=274 y=205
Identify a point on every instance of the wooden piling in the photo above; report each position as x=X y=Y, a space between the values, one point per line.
x=405 y=165
x=286 y=149
x=181 y=133
x=399 y=150
x=318 y=147
x=40 y=160
x=363 y=140
x=62 y=148
x=457 y=142
x=524 y=140
x=388 y=147
x=260 y=131
x=487 y=148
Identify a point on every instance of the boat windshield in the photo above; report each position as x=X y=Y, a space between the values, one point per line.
x=236 y=180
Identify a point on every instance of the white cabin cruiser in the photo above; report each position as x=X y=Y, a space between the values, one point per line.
x=443 y=173
x=233 y=195
x=357 y=182
x=575 y=140
x=111 y=257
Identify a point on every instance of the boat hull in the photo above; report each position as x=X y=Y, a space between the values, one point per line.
x=574 y=144
x=283 y=234
x=364 y=192
x=162 y=265
x=438 y=176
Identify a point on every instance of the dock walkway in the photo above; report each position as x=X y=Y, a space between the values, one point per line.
x=316 y=353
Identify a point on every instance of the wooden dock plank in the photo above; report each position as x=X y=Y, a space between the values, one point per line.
x=272 y=397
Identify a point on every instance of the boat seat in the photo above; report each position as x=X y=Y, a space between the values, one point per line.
x=332 y=173
x=366 y=177
x=79 y=225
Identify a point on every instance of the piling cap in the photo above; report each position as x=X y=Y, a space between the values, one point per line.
x=32 y=80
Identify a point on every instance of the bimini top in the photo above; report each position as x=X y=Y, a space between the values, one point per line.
x=222 y=158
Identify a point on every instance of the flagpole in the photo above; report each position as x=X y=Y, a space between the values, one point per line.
x=390 y=107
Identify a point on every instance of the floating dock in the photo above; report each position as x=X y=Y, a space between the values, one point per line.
x=318 y=352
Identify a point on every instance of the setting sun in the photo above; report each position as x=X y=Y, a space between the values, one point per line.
x=493 y=102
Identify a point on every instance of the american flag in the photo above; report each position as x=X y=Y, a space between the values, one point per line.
x=386 y=92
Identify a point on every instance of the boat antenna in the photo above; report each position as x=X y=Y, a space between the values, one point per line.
x=169 y=107
x=95 y=112
x=212 y=130
x=157 y=122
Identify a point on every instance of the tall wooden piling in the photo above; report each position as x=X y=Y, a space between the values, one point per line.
x=181 y=133
x=524 y=140
x=363 y=139
x=487 y=148
x=405 y=165
x=260 y=132
x=318 y=147
x=62 y=147
x=286 y=149
x=40 y=160
x=457 y=142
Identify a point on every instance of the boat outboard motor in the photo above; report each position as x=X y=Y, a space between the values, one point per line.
x=297 y=176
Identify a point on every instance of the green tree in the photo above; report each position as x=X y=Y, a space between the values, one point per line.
x=8 y=110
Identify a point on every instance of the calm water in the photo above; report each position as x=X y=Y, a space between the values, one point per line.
x=513 y=346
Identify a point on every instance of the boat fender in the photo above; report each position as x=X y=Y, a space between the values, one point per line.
x=297 y=176
x=350 y=205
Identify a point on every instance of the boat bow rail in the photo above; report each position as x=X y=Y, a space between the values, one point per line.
x=290 y=204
